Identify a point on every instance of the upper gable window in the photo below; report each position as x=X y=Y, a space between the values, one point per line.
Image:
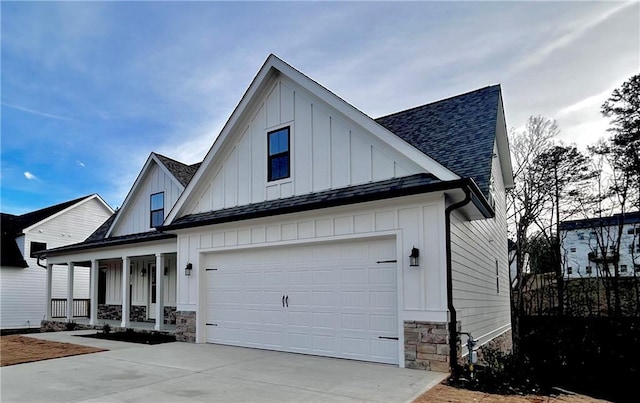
x=37 y=247
x=279 y=161
x=157 y=209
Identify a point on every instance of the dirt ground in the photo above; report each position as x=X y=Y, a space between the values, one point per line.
x=16 y=349
x=446 y=394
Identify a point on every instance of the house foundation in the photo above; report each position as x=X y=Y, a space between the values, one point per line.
x=186 y=326
x=426 y=346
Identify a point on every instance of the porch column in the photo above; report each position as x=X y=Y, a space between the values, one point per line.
x=160 y=262
x=126 y=291
x=48 y=291
x=93 y=291
x=70 y=269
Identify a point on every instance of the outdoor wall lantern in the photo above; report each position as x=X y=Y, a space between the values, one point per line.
x=166 y=271
x=143 y=272
x=414 y=257
x=187 y=269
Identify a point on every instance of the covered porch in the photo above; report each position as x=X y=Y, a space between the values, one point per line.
x=131 y=287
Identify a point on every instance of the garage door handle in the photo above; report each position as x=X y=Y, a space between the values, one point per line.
x=287 y=301
x=283 y=301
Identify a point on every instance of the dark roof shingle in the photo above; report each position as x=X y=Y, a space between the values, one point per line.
x=458 y=132
x=182 y=172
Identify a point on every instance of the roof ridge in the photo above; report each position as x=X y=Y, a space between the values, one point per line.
x=439 y=101
x=169 y=158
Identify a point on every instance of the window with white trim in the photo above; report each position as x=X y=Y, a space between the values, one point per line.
x=279 y=161
x=157 y=209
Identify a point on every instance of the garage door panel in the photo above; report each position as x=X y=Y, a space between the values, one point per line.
x=354 y=299
x=382 y=276
x=351 y=276
x=382 y=299
x=340 y=300
x=383 y=323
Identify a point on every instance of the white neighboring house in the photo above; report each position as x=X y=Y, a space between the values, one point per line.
x=588 y=246
x=312 y=228
x=22 y=275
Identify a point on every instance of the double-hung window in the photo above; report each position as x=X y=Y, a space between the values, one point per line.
x=157 y=209
x=279 y=153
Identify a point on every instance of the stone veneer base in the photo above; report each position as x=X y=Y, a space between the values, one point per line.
x=186 y=326
x=426 y=345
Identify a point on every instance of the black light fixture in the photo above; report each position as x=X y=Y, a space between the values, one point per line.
x=187 y=269
x=166 y=271
x=414 y=257
x=143 y=272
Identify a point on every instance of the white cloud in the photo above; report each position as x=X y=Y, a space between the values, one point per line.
x=574 y=32
x=34 y=112
x=80 y=163
x=29 y=175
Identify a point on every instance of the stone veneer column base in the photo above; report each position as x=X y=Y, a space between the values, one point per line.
x=186 y=326
x=426 y=346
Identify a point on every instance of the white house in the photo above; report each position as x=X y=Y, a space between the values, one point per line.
x=133 y=265
x=312 y=228
x=589 y=246
x=22 y=275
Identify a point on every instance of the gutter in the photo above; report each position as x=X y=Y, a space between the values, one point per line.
x=453 y=319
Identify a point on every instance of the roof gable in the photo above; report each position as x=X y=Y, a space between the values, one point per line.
x=178 y=175
x=274 y=67
x=459 y=132
x=14 y=226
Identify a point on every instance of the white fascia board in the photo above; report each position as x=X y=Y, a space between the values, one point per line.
x=59 y=213
x=117 y=252
x=275 y=65
x=143 y=173
x=502 y=143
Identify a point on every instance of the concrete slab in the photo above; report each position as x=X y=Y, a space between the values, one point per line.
x=183 y=372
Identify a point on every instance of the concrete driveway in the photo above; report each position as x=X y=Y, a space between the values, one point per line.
x=183 y=372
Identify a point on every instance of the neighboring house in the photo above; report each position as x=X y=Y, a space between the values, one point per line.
x=589 y=246
x=312 y=228
x=22 y=275
x=129 y=240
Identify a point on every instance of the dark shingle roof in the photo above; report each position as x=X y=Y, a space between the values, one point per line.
x=182 y=172
x=458 y=132
x=13 y=225
x=102 y=230
x=395 y=187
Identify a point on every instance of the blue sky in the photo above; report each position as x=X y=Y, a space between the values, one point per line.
x=89 y=89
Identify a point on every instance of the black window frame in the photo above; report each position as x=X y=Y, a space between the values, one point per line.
x=151 y=210
x=287 y=154
x=40 y=247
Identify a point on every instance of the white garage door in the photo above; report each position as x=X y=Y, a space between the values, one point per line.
x=335 y=300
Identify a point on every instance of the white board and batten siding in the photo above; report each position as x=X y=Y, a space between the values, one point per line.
x=136 y=217
x=22 y=298
x=480 y=293
x=407 y=222
x=328 y=151
x=139 y=283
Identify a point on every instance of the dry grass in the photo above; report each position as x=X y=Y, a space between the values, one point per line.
x=448 y=394
x=16 y=349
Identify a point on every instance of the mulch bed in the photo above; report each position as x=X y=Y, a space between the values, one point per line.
x=17 y=349
x=133 y=337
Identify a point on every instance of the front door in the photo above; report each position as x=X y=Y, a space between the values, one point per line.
x=151 y=313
